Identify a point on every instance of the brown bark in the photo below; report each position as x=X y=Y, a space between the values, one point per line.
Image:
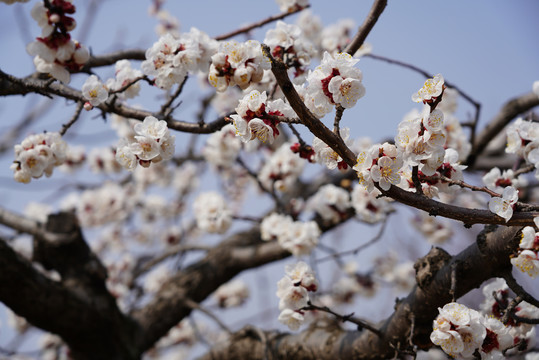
x=488 y=257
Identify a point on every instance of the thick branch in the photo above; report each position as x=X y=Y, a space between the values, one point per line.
x=486 y=258
x=240 y=252
x=92 y=329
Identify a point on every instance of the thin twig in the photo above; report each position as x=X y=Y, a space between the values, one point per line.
x=425 y=74
x=510 y=308
x=75 y=117
x=171 y=251
x=474 y=103
x=271 y=191
x=17 y=86
x=519 y=290
x=196 y=306
x=339 y=110
x=355 y=251
x=467 y=186
x=258 y=24
x=361 y=324
x=166 y=109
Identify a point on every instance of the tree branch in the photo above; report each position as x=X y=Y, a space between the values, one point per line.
x=508 y=112
x=482 y=260
x=376 y=10
x=433 y=207
x=11 y=85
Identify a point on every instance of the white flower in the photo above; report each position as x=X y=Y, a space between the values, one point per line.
x=301 y=239
x=275 y=226
x=368 y=206
x=386 y=172
x=430 y=90
x=330 y=202
x=324 y=154
x=237 y=64
x=288 y=5
x=301 y=274
x=458 y=330
x=292 y=296
x=335 y=81
x=497 y=180
x=292 y=319
x=346 y=92
x=212 y=213
x=222 y=147
x=233 y=293
x=282 y=170
x=94 y=91
x=503 y=206
x=496 y=340
x=38 y=155
x=527 y=261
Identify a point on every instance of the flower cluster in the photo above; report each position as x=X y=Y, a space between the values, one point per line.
x=503 y=206
x=431 y=90
x=334 y=82
x=292 y=291
x=125 y=79
x=256 y=117
x=456 y=138
x=95 y=207
x=461 y=331
x=291 y=5
x=523 y=140
x=282 y=170
x=421 y=141
x=237 y=64
x=153 y=143
x=354 y=283
x=497 y=300
x=232 y=294
x=435 y=230
x=222 y=148
x=527 y=259
x=37 y=155
x=55 y=53
x=287 y=44
x=381 y=164
x=369 y=207
x=335 y=37
x=94 y=91
x=324 y=154
x=103 y=161
x=295 y=236
x=212 y=213
x=496 y=180
x=331 y=203
x=75 y=159
x=170 y=59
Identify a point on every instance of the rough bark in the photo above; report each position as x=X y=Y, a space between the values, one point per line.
x=78 y=308
x=486 y=258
